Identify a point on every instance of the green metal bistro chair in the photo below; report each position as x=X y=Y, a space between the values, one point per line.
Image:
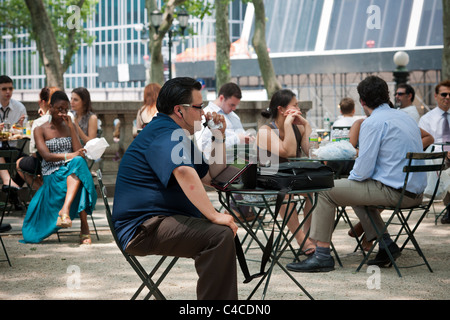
x=399 y=212
x=132 y=260
x=5 y=206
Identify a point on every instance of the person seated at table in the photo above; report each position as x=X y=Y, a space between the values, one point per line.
x=28 y=165
x=386 y=136
x=68 y=191
x=11 y=112
x=148 y=111
x=176 y=217
x=427 y=140
x=347 y=118
x=287 y=136
x=85 y=119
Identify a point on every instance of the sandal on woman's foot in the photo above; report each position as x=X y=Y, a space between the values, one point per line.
x=366 y=244
x=85 y=239
x=307 y=252
x=64 y=221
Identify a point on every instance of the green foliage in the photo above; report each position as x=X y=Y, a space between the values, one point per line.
x=198 y=8
x=18 y=20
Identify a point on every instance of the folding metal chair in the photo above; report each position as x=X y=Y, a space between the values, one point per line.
x=132 y=260
x=438 y=165
x=341 y=213
x=5 y=206
x=31 y=185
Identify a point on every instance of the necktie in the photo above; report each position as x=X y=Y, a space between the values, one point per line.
x=445 y=128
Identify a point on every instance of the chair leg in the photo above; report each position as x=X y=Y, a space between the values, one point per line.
x=6 y=253
x=378 y=240
x=437 y=216
x=95 y=228
x=410 y=236
x=161 y=278
x=147 y=277
x=342 y=213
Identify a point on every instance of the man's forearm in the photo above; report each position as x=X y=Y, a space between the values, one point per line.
x=192 y=187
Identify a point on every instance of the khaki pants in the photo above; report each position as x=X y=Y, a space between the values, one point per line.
x=357 y=195
x=210 y=245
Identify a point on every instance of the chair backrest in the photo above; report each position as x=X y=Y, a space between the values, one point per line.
x=437 y=164
x=341 y=127
x=108 y=209
x=10 y=155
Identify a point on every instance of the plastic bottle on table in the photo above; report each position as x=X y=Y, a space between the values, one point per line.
x=28 y=128
x=337 y=135
x=326 y=122
x=345 y=135
x=313 y=144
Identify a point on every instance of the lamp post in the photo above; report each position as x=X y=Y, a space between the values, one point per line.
x=156 y=20
x=401 y=73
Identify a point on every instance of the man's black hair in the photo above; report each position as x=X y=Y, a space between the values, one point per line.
x=5 y=79
x=176 y=91
x=408 y=90
x=374 y=91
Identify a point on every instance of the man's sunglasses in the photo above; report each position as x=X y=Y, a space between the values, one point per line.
x=445 y=94
x=198 y=107
x=400 y=93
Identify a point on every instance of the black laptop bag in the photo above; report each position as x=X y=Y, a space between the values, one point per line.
x=299 y=175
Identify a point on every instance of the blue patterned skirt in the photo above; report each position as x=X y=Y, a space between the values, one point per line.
x=43 y=210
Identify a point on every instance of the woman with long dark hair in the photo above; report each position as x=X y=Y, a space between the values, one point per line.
x=86 y=120
x=287 y=136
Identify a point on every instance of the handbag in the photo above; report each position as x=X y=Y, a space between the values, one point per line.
x=290 y=176
x=299 y=175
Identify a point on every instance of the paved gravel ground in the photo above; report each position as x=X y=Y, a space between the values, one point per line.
x=65 y=270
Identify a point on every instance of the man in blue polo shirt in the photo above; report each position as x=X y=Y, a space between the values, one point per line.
x=160 y=204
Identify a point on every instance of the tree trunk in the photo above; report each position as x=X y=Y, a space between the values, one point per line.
x=271 y=82
x=156 y=39
x=223 y=43
x=154 y=46
x=446 y=51
x=48 y=47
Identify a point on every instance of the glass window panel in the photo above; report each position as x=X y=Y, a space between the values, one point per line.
x=431 y=26
x=292 y=24
x=235 y=10
x=369 y=24
x=115 y=17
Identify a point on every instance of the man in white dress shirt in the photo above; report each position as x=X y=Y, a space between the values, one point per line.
x=11 y=112
x=226 y=103
x=404 y=97
x=436 y=122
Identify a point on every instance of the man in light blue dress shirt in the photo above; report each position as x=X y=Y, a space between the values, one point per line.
x=386 y=137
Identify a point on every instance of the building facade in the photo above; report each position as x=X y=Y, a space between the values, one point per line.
x=319 y=48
